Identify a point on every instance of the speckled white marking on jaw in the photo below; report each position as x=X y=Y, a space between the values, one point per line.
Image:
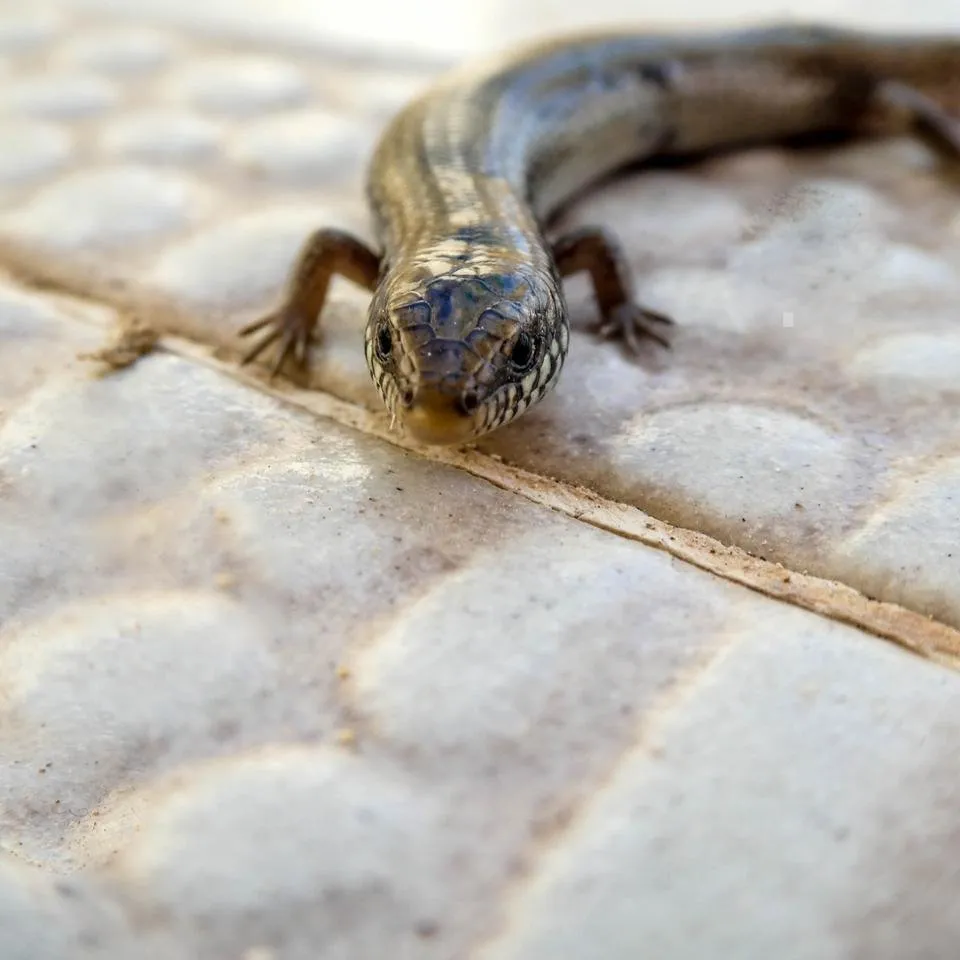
x=528 y=382
x=546 y=367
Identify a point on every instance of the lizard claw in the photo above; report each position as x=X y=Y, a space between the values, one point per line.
x=288 y=325
x=632 y=324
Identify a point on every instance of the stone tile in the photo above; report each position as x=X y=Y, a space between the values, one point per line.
x=161 y=136
x=36 y=337
x=23 y=31
x=815 y=820
x=89 y=712
x=335 y=673
x=769 y=470
x=429 y=29
x=238 y=86
x=428 y=780
x=328 y=836
x=39 y=149
x=585 y=634
x=267 y=683
x=61 y=466
x=912 y=364
x=109 y=208
x=910 y=543
x=673 y=217
x=83 y=460
x=59 y=96
x=43 y=921
x=124 y=51
x=299 y=147
x=201 y=271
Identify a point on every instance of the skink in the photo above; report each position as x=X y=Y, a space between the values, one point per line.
x=467 y=326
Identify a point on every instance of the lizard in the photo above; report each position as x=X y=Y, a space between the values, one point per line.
x=468 y=325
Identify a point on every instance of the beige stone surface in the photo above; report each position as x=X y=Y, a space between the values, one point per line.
x=811 y=291
x=274 y=685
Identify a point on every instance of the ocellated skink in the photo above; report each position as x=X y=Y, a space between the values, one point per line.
x=468 y=326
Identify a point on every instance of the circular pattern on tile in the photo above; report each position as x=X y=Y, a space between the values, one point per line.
x=58 y=466
x=120 y=50
x=161 y=136
x=316 y=826
x=59 y=96
x=829 y=232
x=923 y=364
x=673 y=216
x=30 y=928
x=520 y=656
x=83 y=681
x=908 y=549
x=735 y=466
x=705 y=297
x=904 y=268
x=22 y=31
x=31 y=150
x=239 y=86
x=107 y=208
x=238 y=262
x=302 y=147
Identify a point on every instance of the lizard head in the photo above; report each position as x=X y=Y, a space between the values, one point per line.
x=458 y=348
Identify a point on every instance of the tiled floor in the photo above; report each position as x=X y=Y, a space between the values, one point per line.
x=616 y=683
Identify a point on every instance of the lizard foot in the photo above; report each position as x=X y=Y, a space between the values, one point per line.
x=288 y=325
x=632 y=324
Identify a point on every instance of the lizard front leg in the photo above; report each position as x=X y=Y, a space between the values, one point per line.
x=596 y=251
x=327 y=253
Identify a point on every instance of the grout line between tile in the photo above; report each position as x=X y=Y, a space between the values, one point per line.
x=645 y=745
x=909 y=629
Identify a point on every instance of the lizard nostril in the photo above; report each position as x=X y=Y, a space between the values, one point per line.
x=469 y=402
x=406 y=396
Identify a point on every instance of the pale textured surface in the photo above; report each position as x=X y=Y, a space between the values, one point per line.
x=271 y=687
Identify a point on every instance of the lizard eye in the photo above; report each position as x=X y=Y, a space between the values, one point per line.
x=384 y=341
x=524 y=352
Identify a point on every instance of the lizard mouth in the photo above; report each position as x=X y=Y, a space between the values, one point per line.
x=437 y=418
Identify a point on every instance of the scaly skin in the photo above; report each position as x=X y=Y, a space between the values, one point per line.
x=468 y=326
